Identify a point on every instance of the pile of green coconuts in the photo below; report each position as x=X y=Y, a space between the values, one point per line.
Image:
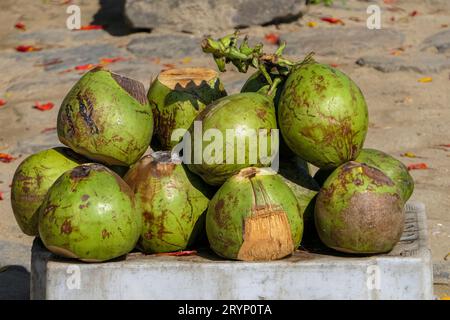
x=108 y=193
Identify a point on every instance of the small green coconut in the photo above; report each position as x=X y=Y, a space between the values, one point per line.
x=89 y=214
x=106 y=117
x=359 y=210
x=177 y=96
x=31 y=181
x=172 y=201
x=254 y=216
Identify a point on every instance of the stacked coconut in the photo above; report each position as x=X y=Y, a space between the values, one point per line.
x=102 y=197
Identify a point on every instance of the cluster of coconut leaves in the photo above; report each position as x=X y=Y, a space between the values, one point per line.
x=108 y=193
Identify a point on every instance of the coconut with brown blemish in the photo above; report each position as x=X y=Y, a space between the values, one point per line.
x=172 y=201
x=106 y=117
x=177 y=96
x=254 y=216
x=359 y=210
x=89 y=214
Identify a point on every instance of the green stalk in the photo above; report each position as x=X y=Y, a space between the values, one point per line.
x=274 y=67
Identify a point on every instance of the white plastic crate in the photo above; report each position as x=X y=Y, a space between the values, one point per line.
x=404 y=273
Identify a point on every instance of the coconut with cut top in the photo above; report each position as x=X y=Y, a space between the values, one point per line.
x=177 y=96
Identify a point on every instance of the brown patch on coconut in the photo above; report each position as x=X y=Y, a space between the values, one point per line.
x=248 y=173
x=66 y=227
x=372 y=220
x=267 y=236
x=182 y=78
x=134 y=88
x=378 y=177
x=80 y=172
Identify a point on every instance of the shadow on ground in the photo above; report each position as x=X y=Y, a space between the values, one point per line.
x=112 y=17
x=14 y=283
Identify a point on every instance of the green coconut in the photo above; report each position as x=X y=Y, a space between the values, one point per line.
x=177 y=96
x=230 y=134
x=89 y=213
x=172 y=201
x=322 y=115
x=359 y=210
x=391 y=167
x=31 y=181
x=254 y=216
x=106 y=117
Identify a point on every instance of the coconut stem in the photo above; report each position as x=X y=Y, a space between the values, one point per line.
x=226 y=50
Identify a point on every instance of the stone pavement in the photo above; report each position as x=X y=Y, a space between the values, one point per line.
x=406 y=115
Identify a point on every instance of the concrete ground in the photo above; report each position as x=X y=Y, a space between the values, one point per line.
x=407 y=114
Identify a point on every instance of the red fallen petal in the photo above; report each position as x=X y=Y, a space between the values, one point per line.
x=91 y=27
x=6 y=158
x=85 y=66
x=334 y=65
x=417 y=166
x=1 y=195
x=332 y=20
x=111 y=60
x=45 y=130
x=414 y=13
x=2 y=102
x=44 y=107
x=179 y=253
x=272 y=38
x=20 y=25
x=23 y=48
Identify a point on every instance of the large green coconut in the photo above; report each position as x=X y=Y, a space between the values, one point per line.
x=177 y=96
x=89 y=213
x=172 y=201
x=230 y=134
x=322 y=115
x=106 y=117
x=359 y=210
x=254 y=216
x=31 y=181
x=391 y=167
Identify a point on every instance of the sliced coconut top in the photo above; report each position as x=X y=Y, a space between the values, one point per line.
x=183 y=76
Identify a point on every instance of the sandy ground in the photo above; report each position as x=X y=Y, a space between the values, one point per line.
x=405 y=114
